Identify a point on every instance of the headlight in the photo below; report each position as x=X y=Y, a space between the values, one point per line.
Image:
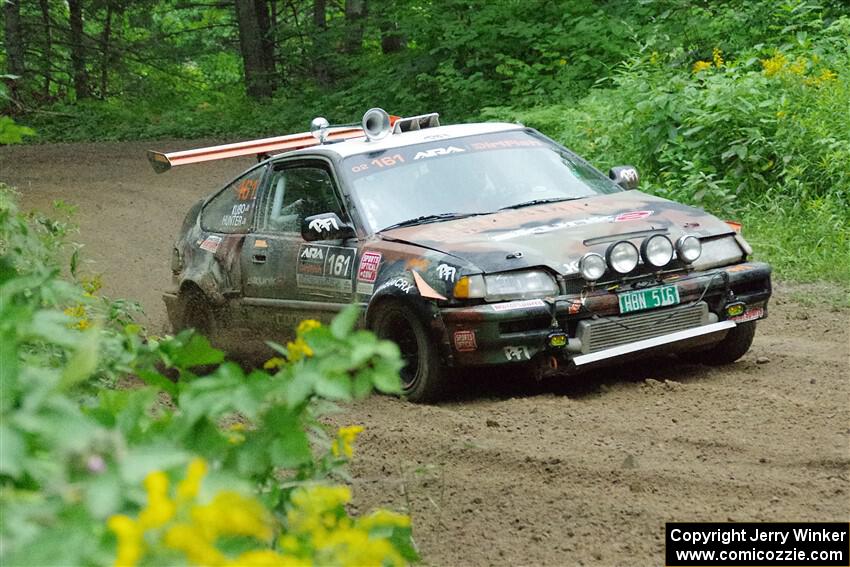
x=689 y=248
x=622 y=257
x=470 y=287
x=527 y=284
x=592 y=266
x=657 y=250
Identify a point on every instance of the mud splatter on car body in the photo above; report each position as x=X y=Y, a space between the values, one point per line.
x=483 y=235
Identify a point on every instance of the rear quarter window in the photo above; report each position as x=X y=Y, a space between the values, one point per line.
x=232 y=210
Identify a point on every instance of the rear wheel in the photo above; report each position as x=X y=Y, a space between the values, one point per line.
x=734 y=345
x=423 y=375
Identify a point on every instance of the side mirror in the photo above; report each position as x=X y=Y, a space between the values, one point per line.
x=326 y=226
x=626 y=176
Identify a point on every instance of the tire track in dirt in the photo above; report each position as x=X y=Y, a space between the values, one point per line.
x=578 y=471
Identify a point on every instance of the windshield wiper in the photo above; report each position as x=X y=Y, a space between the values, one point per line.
x=429 y=218
x=539 y=202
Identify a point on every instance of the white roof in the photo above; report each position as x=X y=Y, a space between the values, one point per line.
x=362 y=145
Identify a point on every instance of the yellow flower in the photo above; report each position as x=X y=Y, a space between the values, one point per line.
x=383 y=519
x=298 y=350
x=267 y=558
x=274 y=362
x=191 y=541
x=313 y=506
x=653 y=58
x=354 y=548
x=345 y=436
x=774 y=65
x=798 y=67
x=307 y=325
x=129 y=534
x=160 y=508
x=717 y=57
x=188 y=488
x=230 y=513
x=701 y=66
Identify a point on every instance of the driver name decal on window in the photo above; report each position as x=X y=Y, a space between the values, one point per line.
x=326 y=268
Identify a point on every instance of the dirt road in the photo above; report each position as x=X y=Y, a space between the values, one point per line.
x=585 y=471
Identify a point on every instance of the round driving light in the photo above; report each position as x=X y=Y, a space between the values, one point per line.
x=689 y=248
x=623 y=257
x=592 y=266
x=657 y=250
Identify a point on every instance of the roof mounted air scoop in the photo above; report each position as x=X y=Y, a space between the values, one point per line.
x=431 y=120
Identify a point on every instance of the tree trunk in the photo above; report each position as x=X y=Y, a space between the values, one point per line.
x=104 y=48
x=355 y=13
x=320 y=40
x=14 y=47
x=258 y=75
x=48 y=45
x=78 y=53
x=264 y=21
x=391 y=39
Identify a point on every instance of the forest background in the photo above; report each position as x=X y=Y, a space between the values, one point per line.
x=738 y=106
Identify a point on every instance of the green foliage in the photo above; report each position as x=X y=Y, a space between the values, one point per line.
x=75 y=452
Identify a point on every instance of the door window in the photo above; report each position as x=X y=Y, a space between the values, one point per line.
x=232 y=210
x=299 y=192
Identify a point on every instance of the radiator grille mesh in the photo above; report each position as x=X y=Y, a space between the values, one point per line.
x=608 y=332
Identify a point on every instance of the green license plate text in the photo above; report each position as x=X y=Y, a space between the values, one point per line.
x=648 y=298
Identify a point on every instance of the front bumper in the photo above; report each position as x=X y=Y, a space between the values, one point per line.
x=516 y=332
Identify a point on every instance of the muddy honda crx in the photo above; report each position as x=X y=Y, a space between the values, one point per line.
x=467 y=245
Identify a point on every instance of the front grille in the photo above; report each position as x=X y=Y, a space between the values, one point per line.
x=608 y=332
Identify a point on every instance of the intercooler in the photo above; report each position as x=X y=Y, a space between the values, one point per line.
x=608 y=332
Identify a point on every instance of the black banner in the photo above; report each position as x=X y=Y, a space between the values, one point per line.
x=757 y=544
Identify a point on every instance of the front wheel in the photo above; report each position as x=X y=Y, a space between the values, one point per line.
x=423 y=375
x=734 y=345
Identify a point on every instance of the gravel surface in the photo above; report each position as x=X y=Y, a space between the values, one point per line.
x=584 y=470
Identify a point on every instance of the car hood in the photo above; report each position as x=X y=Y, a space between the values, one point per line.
x=556 y=235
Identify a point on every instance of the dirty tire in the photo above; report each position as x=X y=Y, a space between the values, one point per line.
x=735 y=345
x=423 y=377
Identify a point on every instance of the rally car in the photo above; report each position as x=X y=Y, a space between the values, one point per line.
x=468 y=245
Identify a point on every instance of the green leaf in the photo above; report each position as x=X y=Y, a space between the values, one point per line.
x=344 y=323
x=83 y=362
x=12 y=451
x=197 y=352
x=336 y=387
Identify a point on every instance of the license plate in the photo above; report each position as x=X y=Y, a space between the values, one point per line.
x=648 y=298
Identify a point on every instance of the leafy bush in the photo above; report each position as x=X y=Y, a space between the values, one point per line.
x=764 y=135
x=86 y=470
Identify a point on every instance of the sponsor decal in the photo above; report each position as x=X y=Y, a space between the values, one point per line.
x=544 y=228
x=323 y=224
x=516 y=353
x=465 y=341
x=574 y=308
x=751 y=314
x=211 y=243
x=514 y=305
x=404 y=285
x=633 y=215
x=261 y=281
x=261 y=243
x=325 y=267
x=367 y=272
x=446 y=272
x=434 y=152
x=740 y=268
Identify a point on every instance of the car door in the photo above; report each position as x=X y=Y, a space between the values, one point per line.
x=285 y=278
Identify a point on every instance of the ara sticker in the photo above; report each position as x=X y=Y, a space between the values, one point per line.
x=367 y=272
x=434 y=152
x=211 y=243
x=517 y=353
x=326 y=268
x=465 y=341
x=514 y=305
x=446 y=272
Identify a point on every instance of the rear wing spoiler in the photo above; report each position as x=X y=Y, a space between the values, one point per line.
x=162 y=162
